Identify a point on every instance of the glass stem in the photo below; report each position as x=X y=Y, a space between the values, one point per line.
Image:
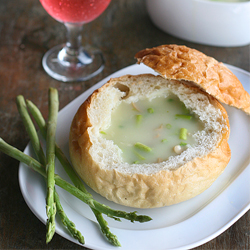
x=73 y=55
x=74 y=38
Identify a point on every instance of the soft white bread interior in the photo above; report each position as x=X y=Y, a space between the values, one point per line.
x=195 y=68
x=99 y=161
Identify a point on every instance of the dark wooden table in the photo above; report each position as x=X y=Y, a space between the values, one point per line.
x=26 y=33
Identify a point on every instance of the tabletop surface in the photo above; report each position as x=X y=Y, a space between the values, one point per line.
x=26 y=33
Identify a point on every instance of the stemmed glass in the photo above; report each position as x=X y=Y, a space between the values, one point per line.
x=71 y=61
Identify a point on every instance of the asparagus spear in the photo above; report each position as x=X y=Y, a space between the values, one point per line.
x=30 y=128
x=66 y=222
x=71 y=173
x=50 y=163
x=28 y=160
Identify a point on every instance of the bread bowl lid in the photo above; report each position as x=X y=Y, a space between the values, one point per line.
x=195 y=68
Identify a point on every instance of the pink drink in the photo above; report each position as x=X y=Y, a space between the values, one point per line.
x=75 y=11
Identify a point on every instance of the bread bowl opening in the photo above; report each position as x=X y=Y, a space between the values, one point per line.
x=205 y=137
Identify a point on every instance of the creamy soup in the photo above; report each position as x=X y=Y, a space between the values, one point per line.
x=151 y=131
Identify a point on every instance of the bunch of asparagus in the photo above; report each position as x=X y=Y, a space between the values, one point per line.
x=45 y=165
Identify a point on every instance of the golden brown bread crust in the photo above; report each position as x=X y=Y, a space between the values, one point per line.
x=140 y=190
x=183 y=63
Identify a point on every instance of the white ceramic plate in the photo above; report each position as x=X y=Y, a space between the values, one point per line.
x=182 y=226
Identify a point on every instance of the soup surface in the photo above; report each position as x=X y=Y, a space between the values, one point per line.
x=151 y=131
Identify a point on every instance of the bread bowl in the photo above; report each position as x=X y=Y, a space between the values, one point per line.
x=99 y=163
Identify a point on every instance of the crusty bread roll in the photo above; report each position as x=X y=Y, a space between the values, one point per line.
x=194 y=67
x=99 y=161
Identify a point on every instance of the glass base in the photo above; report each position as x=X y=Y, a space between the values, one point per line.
x=72 y=68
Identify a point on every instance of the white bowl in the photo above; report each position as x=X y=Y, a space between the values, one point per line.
x=207 y=22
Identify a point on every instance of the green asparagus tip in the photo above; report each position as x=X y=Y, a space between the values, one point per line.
x=114 y=240
x=67 y=222
x=144 y=218
x=50 y=230
x=140 y=218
